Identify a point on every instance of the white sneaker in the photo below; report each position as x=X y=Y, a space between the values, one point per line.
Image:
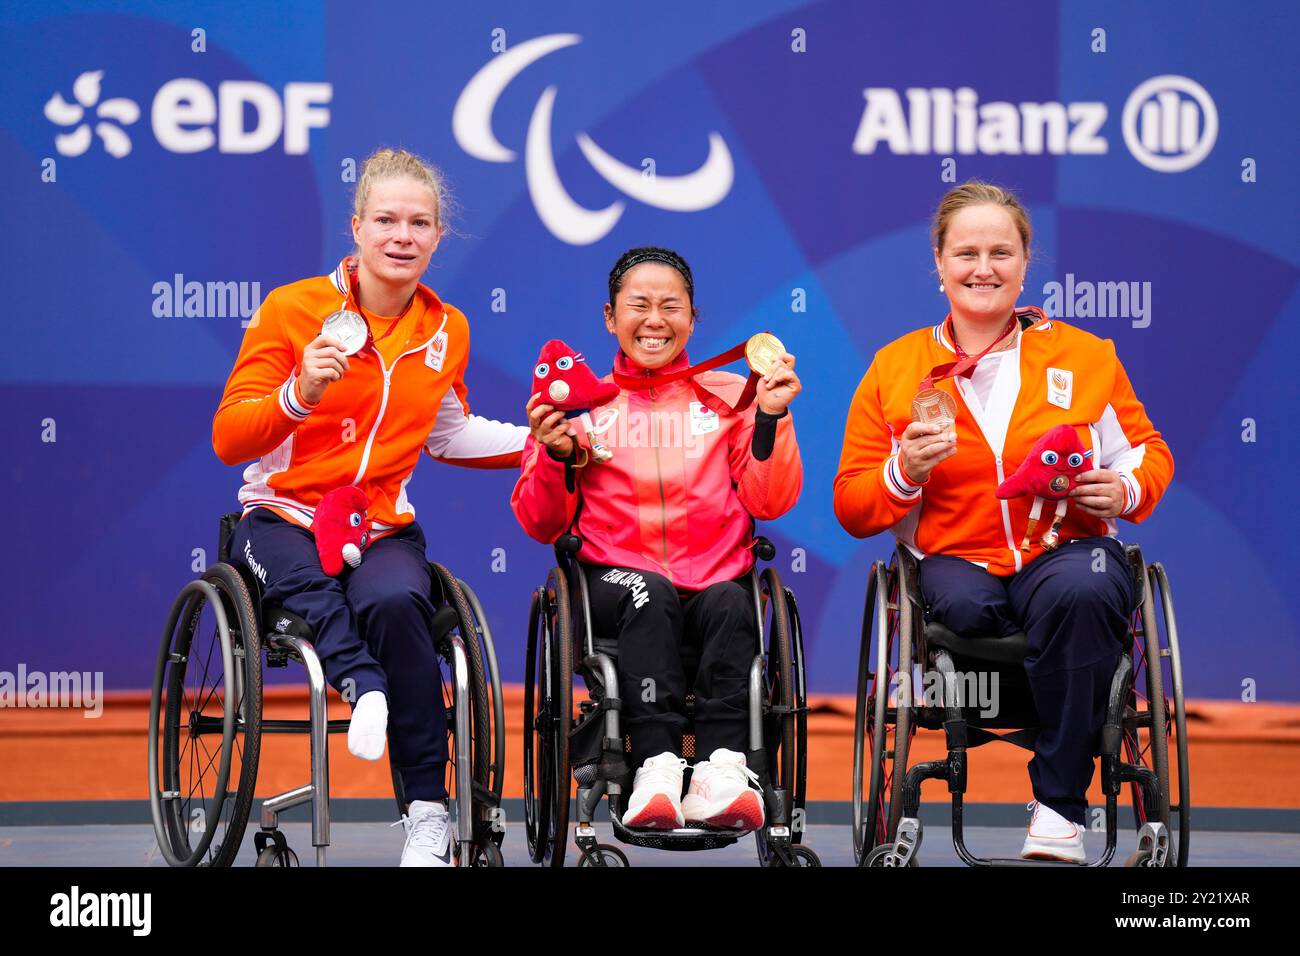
x=428 y=834
x=656 y=801
x=368 y=728
x=720 y=794
x=1052 y=837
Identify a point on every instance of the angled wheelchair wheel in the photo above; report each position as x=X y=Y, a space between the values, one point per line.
x=205 y=717
x=1155 y=734
x=882 y=732
x=785 y=703
x=548 y=715
x=471 y=732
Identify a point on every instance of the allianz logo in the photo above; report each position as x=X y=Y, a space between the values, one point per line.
x=186 y=116
x=1169 y=124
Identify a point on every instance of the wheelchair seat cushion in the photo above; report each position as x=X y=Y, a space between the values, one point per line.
x=1008 y=649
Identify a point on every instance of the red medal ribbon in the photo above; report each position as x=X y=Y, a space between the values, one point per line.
x=964 y=367
x=347 y=273
x=639 y=383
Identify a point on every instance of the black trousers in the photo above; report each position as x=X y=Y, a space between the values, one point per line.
x=1074 y=605
x=652 y=621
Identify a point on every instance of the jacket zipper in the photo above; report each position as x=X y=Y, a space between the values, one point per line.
x=1006 y=516
x=383 y=402
x=663 y=499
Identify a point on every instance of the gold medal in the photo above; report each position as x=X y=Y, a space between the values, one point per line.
x=763 y=351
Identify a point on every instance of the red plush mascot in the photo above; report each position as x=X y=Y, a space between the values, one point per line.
x=565 y=381
x=1052 y=466
x=341 y=529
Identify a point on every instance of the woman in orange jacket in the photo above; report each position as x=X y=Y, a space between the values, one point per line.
x=314 y=414
x=1018 y=375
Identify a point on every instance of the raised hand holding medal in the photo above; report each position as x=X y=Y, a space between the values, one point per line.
x=778 y=384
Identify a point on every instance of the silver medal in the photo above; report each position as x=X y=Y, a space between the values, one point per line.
x=349 y=329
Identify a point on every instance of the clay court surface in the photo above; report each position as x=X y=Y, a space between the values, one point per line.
x=1244 y=756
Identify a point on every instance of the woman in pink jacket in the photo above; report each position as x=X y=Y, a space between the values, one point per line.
x=667 y=531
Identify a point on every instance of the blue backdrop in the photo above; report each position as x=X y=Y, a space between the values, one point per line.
x=835 y=127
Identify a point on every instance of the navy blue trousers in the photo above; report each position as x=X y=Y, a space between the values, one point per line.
x=371 y=629
x=1074 y=606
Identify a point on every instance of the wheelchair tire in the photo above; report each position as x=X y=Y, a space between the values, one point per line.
x=548 y=717
x=186 y=706
x=887 y=628
x=478 y=722
x=782 y=687
x=1164 y=720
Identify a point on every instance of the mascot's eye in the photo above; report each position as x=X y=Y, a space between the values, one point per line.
x=1050 y=458
x=564 y=363
x=1075 y=460
x=542 y=370
x=355 y=520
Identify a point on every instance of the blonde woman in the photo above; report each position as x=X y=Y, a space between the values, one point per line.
x=311 y=418
x=982 y=571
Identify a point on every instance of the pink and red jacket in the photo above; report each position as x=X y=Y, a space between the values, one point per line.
x=679 y=496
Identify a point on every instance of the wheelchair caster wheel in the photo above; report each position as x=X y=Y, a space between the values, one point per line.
x=882 y=856
x=489 y=854
x=603 y=855
x=1139 y=858
x=804 y=856
x=277 y=856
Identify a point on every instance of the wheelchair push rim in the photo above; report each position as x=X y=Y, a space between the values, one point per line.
x=887 y=632
x=470 y=729
x=191 y=700
x=1154 y=719
x=548 y=716
x=784 y=709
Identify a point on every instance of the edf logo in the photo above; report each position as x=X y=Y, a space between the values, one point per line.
x=1170 y=123
x=184 y=111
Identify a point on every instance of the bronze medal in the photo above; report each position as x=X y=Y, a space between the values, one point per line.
x=933 y=406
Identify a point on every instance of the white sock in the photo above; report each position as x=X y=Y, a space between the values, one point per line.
x=368 y=729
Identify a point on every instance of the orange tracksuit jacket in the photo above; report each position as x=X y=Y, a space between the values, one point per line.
x=370 y=426
x=1056 y=374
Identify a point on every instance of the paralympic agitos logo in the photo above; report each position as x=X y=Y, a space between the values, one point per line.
x=566 y=219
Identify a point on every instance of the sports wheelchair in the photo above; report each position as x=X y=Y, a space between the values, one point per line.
x=591 y=746
x=206 y=724
x=897 y=641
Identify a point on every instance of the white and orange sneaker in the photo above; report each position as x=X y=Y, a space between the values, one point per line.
x=656 y=801
x=720 y=794
x=1052 y=837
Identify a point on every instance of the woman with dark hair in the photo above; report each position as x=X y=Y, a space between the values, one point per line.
x=667 y=531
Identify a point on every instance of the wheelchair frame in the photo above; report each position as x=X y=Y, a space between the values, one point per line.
x=887 y=828
x=463 y=640
x=777 y=709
